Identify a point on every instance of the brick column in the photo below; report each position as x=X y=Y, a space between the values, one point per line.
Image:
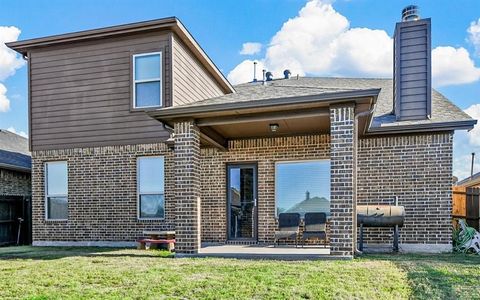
x=342 y=152
x=187 y=187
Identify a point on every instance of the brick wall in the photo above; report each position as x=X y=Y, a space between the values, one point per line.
x=265 y=152
x=102 y=186
x=342 y=198
x=187 y=187
x=15 y=183
x=102 y=200
x=417 y=169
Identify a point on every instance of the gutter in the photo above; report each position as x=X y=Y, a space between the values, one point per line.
x=187 y=111
x=22 y=46
x=428 y=127
x=15 y=168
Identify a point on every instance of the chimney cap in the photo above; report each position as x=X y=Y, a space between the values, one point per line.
x=411 y=13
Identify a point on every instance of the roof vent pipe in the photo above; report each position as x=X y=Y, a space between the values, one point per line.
x=286 y=74
x=410 y=13
x=269 y=76
x=254 y=71
x=263 y=80
x=473 y=163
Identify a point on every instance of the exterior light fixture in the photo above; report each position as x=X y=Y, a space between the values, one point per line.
x=274 y=127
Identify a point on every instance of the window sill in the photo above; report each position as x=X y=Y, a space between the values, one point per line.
x=146 y=108
x=150 y=219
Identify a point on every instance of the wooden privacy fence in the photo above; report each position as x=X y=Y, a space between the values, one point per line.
x=465 y=205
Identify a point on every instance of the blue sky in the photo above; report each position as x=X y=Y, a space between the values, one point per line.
x=222 y=27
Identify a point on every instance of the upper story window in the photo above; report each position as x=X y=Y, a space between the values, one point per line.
x=56 y=190
x=150 y=187
x=147 y=80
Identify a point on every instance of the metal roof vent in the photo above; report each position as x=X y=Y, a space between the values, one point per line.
x=286 y=74
x=269 y=76
x=410 y=13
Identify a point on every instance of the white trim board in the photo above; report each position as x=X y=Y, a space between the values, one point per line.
x=113 y=244
x=408 y=248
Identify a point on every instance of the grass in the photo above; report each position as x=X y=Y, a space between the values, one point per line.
x=86 y=273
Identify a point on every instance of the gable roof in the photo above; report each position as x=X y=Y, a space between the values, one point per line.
x=14 y=154
x=170 y=23
x=314 y=204
x=470 y=181
x=445 y=114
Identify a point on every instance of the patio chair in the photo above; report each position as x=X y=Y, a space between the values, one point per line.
x=315 y=227
x=288 y=227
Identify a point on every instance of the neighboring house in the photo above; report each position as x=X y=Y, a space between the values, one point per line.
x=310 y=204
x=15 y=188
x=15 y=165
x=470 y=182
x=134 y=128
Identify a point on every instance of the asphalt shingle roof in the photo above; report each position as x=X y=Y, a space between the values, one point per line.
x=15 y=159
x=467 y=180
x=14 y=151
x=443 y=110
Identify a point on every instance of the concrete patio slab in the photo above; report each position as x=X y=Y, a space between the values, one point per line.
x=264 y=252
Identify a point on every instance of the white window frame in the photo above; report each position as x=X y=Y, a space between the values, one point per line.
x=45 y=188
x=135 y=81
x=139 y=217
x=293 y=162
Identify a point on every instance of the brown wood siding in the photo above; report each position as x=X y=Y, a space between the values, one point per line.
x=191 y=82
x=81 y=93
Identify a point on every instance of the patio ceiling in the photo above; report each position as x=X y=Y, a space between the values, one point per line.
x=251 y=119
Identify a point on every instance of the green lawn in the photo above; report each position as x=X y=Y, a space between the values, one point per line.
x=86 y=273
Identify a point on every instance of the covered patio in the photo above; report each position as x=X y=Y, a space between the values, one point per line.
x=219 y=140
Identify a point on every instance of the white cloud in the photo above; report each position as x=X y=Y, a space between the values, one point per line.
x=464 y=144
x=462 y=164
x=243 y=72
x=20 y=133
x=320 y=42
x=361 y=51
x=250 y=48
x=4 y=101
x=9 y=60
x=474 y=134
x=474 y=35
x=452 y=66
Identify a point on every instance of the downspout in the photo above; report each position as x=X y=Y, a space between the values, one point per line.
x=355 y=166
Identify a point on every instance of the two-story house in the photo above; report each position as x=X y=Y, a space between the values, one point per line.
x=134 y=128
